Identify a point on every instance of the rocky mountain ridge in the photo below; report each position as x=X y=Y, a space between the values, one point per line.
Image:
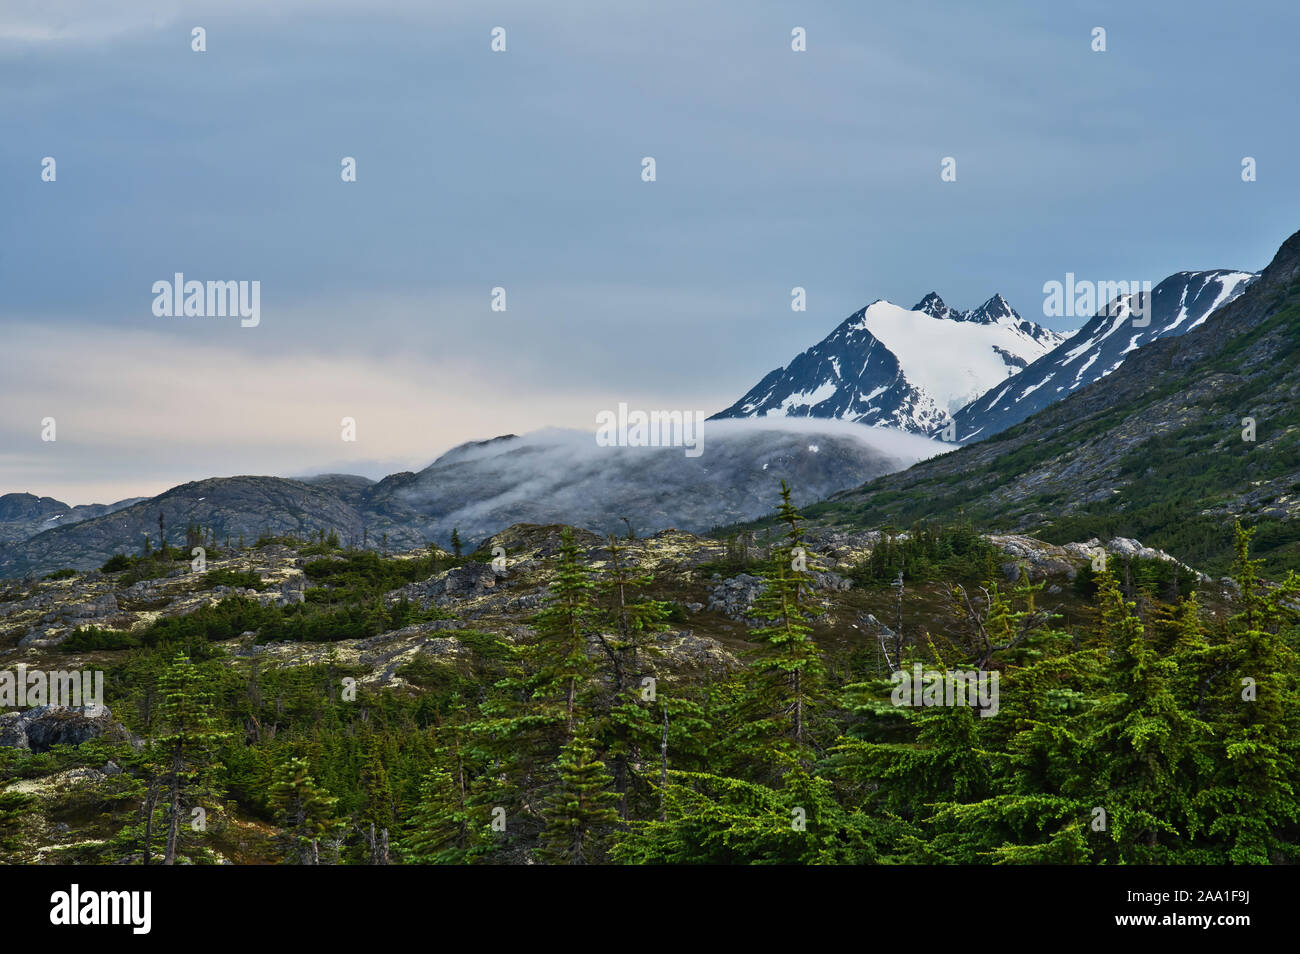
x=1189 y=433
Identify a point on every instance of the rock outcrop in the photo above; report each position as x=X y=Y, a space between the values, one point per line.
x=42 y=728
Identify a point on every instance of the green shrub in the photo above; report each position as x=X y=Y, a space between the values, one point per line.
x=89 y=638
x=928 y=552
x=243 y=579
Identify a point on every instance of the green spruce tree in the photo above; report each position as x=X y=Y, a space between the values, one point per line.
x=784 y=683
x=580 y=812
x=304 y=809
x=185 y=748
x=1253 y=805
x=562 y=628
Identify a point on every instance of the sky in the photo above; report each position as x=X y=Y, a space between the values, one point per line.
x=522 y=170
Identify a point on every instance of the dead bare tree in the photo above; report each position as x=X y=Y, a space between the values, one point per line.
x=982 y=646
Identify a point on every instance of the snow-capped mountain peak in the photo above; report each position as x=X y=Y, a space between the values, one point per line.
x=933 y=306
x=992 y=311
x=900 y=367
x=997 y=310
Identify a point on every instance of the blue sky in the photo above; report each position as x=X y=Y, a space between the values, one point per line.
x=522 y=169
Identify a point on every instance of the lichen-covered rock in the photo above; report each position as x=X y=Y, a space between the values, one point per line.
x=43 y=727
x=459 y=583
x=472 y=579
x=1039 y=560
x=700 y=652
x=1127 y=547
x=733 y=597
x=529 y=601
x=828 y=580
x=104 y=605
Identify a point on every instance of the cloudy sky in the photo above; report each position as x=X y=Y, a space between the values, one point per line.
x=522 y=169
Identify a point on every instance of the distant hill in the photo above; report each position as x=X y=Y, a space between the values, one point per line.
x=562 y=476
x=25 y=515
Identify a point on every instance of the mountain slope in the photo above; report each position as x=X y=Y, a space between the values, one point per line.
x=1178 y=304
x=1153 y=450
x=905 y=368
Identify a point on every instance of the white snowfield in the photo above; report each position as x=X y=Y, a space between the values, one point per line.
x=953 y=361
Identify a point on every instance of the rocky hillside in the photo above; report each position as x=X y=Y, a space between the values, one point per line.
x=233 y=509
x=38 y=617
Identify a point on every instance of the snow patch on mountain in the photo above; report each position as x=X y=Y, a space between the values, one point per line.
x=1180 y=303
